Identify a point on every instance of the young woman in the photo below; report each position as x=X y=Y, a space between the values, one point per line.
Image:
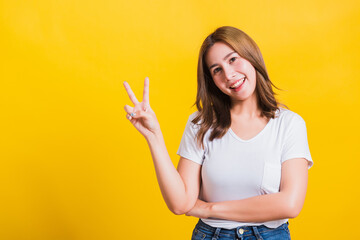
x=243 y=160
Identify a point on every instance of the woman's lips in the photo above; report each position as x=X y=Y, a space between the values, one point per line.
x=238 y=84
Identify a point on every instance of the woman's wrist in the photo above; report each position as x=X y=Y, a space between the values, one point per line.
x=201 y=209
x=209 y=210
x=154 y=137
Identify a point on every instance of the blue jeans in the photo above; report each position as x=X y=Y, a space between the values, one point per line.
x=203 y=231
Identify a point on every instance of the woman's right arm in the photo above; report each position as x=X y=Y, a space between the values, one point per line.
x=179 y=187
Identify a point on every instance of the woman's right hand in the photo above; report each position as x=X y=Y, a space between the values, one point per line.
x=141 y=115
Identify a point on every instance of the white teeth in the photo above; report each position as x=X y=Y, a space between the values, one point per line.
x=237 y=84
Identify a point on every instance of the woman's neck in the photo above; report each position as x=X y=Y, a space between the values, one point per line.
x=246 y=109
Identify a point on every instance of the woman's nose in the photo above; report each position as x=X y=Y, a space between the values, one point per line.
x=230 y=74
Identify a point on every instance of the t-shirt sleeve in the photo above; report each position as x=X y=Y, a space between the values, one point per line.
x=188 y=146
x=296 y=142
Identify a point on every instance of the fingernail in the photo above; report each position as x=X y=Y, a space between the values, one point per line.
x=124 y=82
x=133 y=114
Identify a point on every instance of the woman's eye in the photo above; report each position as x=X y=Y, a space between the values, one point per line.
x=216 y=70
x=232 y=59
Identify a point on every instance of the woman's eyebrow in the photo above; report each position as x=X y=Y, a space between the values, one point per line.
x=227 y=55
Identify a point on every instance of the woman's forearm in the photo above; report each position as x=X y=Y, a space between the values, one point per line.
x=171 y=184
x=255 y=209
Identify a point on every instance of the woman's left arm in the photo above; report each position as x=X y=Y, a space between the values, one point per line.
x=287 y=203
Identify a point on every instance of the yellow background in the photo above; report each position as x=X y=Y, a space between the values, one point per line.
x=73 y=167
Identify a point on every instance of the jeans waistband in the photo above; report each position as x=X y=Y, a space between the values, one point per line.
x=243 y=230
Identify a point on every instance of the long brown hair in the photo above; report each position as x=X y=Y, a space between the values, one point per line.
x=212 y=104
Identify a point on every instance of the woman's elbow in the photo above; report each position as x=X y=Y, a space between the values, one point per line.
x=177 y=209
x=180 y=210
x=293 y=209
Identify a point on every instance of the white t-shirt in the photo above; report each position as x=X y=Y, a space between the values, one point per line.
x=234 y=169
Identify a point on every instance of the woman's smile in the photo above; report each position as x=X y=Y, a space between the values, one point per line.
x=238 y=84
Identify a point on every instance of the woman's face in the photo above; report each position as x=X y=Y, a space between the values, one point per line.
x=232 y=74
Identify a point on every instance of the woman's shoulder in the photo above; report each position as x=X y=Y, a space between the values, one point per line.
x=288 y=116
x=193 y=115
x=197 y=126
x=190 y=121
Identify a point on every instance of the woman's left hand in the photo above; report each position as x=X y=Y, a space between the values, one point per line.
x=200 y=210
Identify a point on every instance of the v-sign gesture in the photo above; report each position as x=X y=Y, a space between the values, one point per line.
x=141 y=115
x=180 y=189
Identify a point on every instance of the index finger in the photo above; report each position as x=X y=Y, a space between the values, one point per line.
x=130 y=93
x=146 y=92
